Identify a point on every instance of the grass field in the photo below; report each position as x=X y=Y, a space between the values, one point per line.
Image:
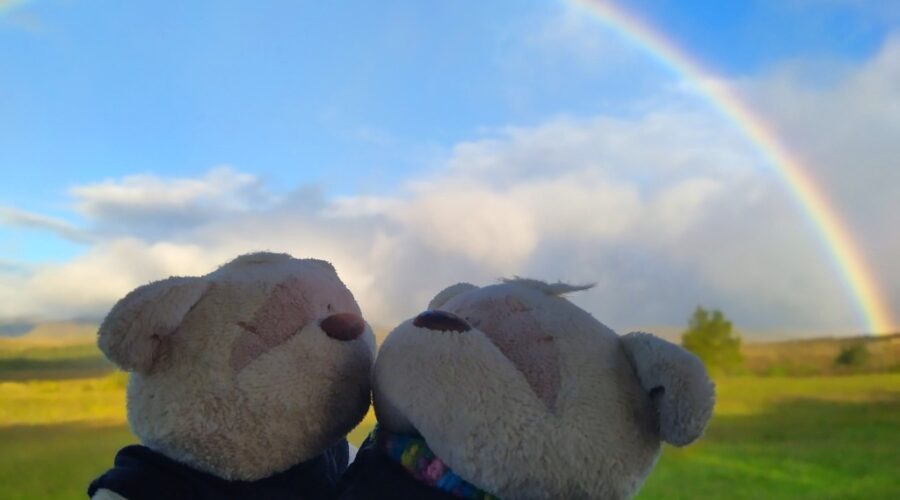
x=32 y=359
x=816 y=438
x=771 y=437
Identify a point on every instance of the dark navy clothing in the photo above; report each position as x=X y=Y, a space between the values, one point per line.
x=141 y=473
x=374 y=475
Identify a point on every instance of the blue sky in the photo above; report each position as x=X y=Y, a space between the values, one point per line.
x=361 y=100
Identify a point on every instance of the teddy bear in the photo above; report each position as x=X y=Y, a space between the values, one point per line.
x=243 y=382
x=511 y=391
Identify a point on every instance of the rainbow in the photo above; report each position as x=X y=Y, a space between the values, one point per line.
x=842 y=249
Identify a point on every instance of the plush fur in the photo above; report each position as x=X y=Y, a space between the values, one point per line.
x=537 y=399
x=232 y=372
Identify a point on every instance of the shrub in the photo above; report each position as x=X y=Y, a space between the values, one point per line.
x=852 y=356
x=710 y=337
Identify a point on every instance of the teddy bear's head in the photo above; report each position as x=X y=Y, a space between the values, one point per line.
x=525 y=395
x=246 y=371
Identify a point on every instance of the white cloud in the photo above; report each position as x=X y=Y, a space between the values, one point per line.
x=846 y=133
x=665 y=209
x=463 y=217
x=660 y=230
x=20 y=218
x=150 y=205
x=847 y=130
x=678 y=207
x=567 y=31
x=88 y=285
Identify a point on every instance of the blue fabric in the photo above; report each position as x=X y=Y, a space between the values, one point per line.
x=140 y=473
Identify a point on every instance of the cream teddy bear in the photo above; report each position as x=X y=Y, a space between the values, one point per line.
x=244 y=382
x=510 y=391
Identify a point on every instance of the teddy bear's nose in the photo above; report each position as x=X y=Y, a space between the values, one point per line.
x=343 y=326
x=442 y=321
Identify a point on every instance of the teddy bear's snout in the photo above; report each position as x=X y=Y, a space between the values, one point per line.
x=343 y=326
x=442 y=321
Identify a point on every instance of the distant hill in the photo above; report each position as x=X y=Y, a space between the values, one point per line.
x=817 y=356
x=60 y=350
x=765 y=353
x=68 y=349
x=673 y=334
x=55 y=333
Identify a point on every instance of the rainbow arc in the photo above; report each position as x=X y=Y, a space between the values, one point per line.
x=842 y=249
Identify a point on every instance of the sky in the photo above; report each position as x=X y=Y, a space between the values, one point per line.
x=419 y=144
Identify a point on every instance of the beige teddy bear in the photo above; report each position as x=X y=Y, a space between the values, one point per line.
x=244 y=382
x=511 y=391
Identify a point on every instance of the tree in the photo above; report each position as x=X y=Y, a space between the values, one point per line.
x=710 y=337
x=852 y=356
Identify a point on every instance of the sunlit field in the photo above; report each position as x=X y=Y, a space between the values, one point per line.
x=721 y=174
x=814 y=437
x=771 y=437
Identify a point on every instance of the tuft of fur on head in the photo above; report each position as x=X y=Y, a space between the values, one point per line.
x=232 y=373
x=559 y=288
x=258 y=258
x=537 y=399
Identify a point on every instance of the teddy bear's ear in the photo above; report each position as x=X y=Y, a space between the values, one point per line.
x=448 y=293
x=135 y=328
x=677 y=383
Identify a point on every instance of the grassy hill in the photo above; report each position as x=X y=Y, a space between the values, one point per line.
x=53 y=351
x=62 y=417
x=773 y=437
x=67 y=350
x=818 y=356
x=56 y=333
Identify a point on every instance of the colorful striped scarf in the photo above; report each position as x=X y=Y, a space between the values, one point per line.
x=414 y=455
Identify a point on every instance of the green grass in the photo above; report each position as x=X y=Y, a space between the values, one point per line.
x=816 y=438
x=47 y=402
x=799 y=449
x=826 y=437
x=14 y=348
x=53 y=369
x=56 y=461
x=22 y=360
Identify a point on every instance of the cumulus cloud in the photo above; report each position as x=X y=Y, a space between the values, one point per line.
x=845 y=131
x=20 y=218
x=567 y=31
x=149 y=205
x=664 y=209
x=558 y=201
x=88 y=285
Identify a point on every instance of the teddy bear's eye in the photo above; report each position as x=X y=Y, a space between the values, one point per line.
x=329 y=307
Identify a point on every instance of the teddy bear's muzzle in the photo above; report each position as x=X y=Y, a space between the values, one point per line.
x=343 y=326
x=441 y=321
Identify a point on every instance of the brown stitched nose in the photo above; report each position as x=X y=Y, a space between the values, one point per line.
x=442 y=321
x=343 y=326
